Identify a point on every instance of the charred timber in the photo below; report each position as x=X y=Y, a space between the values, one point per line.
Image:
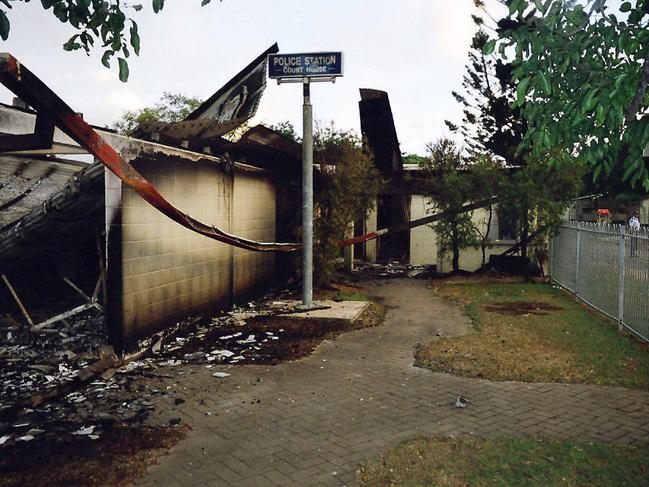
x=412 y=224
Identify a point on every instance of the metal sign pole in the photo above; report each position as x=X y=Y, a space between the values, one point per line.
x=306 y=68
x=307 y=196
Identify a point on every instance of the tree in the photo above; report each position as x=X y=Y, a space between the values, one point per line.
x=95 y=20
x=540 y=192
x=582 y=72
x=347 y=193
x=494 y=125
x=487 y=176
x=490 y=123
x=172 y=107
x=450 y=187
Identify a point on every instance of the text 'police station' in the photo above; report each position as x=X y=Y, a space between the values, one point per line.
x=304 y=64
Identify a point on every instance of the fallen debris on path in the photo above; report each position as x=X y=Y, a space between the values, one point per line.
x=366 y=271
x=122 y=452
x=250 y=334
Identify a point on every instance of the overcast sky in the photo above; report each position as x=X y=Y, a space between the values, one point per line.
x=415 y=50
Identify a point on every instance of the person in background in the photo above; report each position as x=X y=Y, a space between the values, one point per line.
x=634 y=227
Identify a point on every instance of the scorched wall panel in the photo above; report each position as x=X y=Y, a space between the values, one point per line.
x=254 y=209
x=167 y=272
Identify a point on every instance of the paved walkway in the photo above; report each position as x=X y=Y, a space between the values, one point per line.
x=311 y=422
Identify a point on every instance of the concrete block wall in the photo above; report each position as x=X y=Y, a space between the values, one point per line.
x=255 y=209
x=424 y=245
x=371 y=247
x=166 y=271
x=423 y=239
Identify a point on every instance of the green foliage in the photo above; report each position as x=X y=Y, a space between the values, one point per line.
x=450 y=187
x=347 y=194
x=582 y=71
x=414 y=159
x=539 y=193
x=105 y=21
x=487 y=177
x=455 y=234
x=490 y=124
x=494 y=126
x=172 y=107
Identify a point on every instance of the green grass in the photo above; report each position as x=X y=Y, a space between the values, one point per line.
x=349 y=296
x=507 y=461
x=572 y=344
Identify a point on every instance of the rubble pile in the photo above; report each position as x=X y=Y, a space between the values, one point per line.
x=36 y=363
x=47 y=358
x=366 y=270
x=98 y=407
x=95 y=392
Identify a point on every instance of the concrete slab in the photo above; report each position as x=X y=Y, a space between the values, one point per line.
x=333 y=310
x=325 y=309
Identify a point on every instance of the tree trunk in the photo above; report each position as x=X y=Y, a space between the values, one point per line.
x=456 y=250
x=485 y=237
x=525 y=232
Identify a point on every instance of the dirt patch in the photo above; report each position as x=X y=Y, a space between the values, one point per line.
x=534 y=333
x=115 y=459
x=517 y=308
x=346 y=288
x=278 y=339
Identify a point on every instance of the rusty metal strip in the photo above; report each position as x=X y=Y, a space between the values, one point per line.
x=35 y=93
x=412 y=224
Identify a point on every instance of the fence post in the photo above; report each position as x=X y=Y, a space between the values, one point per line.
x=620 y=278
x=577 y=259
x=552 y=257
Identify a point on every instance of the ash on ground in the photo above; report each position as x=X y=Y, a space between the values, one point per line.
x=35 y=366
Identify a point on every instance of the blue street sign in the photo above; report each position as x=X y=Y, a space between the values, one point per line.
x=312 y=65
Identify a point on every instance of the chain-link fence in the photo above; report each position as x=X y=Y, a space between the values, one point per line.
x=607 y=266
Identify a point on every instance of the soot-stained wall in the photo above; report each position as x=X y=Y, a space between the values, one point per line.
x=159 y=271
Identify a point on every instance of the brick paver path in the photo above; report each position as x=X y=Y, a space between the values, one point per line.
x=311 y=422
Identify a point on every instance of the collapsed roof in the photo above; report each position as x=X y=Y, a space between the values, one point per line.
x=231 y=106
x=45 y=198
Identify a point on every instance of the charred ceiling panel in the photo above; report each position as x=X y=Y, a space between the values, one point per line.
x=225 y=110
x=273 y=151
x=267 y=137
x=377 y=126
x=26 y=183
x=58 y=218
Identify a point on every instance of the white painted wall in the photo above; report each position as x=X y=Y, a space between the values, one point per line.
x=424 y=245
